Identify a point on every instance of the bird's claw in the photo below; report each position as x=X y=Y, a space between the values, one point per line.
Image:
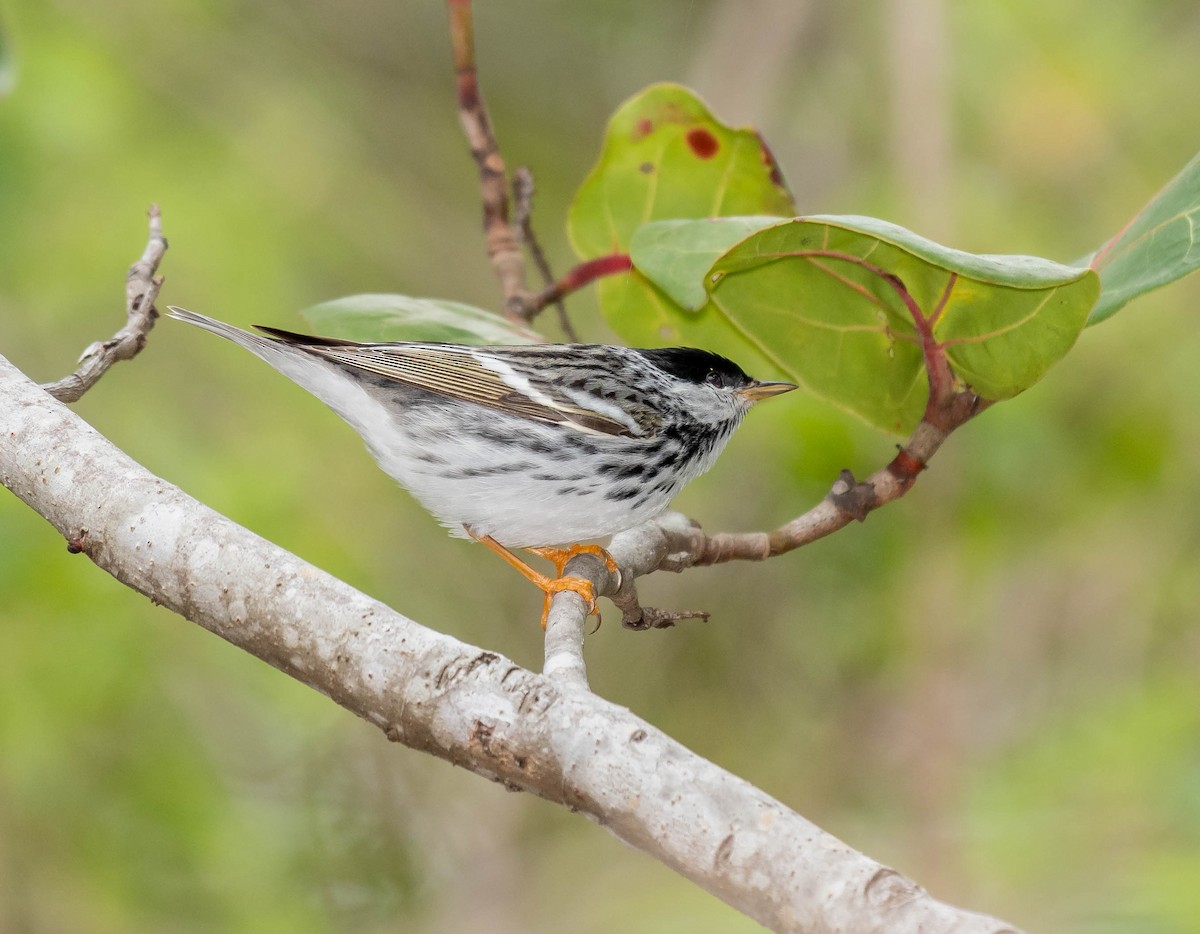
x=585 y=588
x=576 y=585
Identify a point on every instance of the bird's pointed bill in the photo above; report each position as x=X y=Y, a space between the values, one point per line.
x=757 y=391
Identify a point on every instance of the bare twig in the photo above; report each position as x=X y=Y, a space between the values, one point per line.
x=675 y=543
x=433 y=693
x=523 y=189
x=141 y=289
x=503 y=241
x=848 y=500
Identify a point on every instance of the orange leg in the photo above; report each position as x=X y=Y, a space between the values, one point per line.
x=549 y=585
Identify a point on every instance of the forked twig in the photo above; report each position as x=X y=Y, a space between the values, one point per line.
x=141 y=290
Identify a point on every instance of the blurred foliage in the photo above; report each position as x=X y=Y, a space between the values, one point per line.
x=990 y=685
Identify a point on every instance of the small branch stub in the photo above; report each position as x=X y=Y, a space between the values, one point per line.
x=652 y=618
x=141 y=290
x=851 y=497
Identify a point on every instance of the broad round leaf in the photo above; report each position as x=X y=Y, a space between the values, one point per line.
x=1161 y=244
x=375 y=317
x=666 y=156
x=826 y=296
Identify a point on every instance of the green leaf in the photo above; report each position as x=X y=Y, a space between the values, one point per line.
x=823 y=299
x=374 y=317
x=1158 y=246
x=666 y=156
x=676 y=254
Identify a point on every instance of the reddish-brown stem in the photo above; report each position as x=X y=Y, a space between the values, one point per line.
x=582 y=275
x=944 y=398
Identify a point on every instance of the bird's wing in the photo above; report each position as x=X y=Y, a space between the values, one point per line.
x=480 y=376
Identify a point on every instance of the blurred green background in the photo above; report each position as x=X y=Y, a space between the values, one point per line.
x=991 y=685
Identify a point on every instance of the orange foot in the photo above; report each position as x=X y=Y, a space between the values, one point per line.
x=552 y=585
x=559 y=558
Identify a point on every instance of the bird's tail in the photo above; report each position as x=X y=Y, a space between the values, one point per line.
x=228 y=331
x=294 y=356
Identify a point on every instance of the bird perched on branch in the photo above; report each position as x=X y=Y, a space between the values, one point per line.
x=530 y=446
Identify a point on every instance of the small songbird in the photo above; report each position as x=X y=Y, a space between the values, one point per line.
x=528 y=446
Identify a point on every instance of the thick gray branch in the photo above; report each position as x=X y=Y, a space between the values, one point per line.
x=472 y=707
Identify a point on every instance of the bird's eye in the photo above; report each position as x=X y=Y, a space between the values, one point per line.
x=713 y=378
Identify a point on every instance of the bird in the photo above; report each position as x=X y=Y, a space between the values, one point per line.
x=532 y=446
